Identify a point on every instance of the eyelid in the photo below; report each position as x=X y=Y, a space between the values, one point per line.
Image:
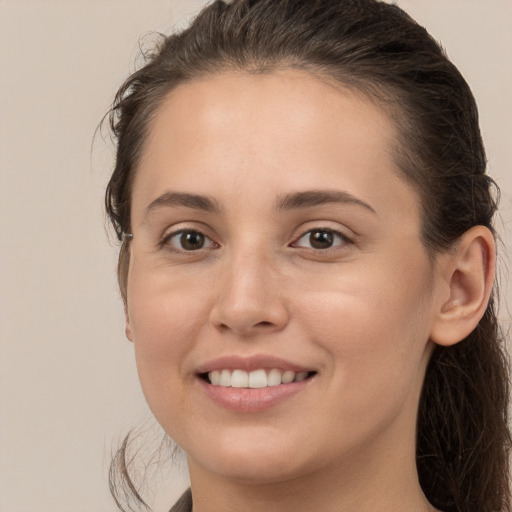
x=171 y=233
x=346 y=239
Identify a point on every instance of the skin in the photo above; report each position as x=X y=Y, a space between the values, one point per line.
x=363 y=314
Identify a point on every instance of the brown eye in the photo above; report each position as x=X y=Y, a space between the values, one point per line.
x=188 y=240
x=192 y=240
x=322 y=239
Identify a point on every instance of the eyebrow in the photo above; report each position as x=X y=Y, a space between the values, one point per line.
x=311 y=198
x=293 y=201
x=194 y=201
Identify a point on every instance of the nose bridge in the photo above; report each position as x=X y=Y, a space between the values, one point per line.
x=249 y=297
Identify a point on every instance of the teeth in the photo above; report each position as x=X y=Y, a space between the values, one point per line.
x=225 y=378
x=239 y=379
x=287 y=377
x=301 y=376
x=214 y=378
x=274 y=378
x=255 y=379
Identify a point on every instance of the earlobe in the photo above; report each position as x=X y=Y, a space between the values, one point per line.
x=468 y=274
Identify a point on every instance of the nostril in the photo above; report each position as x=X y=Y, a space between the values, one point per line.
x=246 y=314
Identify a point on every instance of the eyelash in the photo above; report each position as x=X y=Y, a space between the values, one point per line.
x=164 y=242
x=332 y=233
x=344 y=239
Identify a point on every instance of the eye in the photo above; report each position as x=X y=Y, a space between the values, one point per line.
x=188 y=240
x=321 y=239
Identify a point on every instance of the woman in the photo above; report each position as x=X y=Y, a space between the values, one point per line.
x=308 y=261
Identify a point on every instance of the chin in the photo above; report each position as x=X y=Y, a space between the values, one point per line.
x=255 y=470
x=251 y=460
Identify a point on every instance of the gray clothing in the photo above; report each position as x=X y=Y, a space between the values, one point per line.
x=184 y=504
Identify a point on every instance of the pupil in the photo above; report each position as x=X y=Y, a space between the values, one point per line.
x=192 y=240
x=321 y=239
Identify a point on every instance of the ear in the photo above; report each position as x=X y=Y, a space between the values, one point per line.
x=467 y=276
x=127 y=325
x=122 y=276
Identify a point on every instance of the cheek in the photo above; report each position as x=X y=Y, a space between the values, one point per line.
x=374 y=323
x=163 y=308
x=379 y=356
x=165 y=321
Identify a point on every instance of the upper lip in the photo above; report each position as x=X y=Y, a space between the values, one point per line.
x=250 y=363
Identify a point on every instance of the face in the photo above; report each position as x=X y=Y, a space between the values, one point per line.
x=280 y=299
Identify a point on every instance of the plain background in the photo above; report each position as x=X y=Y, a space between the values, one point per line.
x=68 y=384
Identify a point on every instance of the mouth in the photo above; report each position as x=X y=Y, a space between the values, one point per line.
x=254 y=383
x=256 y=379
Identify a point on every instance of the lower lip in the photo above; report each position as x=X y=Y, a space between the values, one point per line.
x=252 y=400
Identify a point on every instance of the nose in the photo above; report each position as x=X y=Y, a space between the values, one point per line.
x=249 y=299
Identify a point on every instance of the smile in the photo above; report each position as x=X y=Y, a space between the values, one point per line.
x=249 y=384
x=256 y=379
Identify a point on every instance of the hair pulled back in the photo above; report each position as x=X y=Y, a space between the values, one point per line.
x=373 y=48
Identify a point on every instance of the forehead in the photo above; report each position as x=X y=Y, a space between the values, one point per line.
x=278 y=106
x=284 y=129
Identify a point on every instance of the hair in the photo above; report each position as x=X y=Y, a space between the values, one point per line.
x=373 y=48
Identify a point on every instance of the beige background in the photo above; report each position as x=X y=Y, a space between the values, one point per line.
x=68 y=387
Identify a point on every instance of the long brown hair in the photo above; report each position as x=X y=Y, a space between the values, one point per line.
x=463 y=438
